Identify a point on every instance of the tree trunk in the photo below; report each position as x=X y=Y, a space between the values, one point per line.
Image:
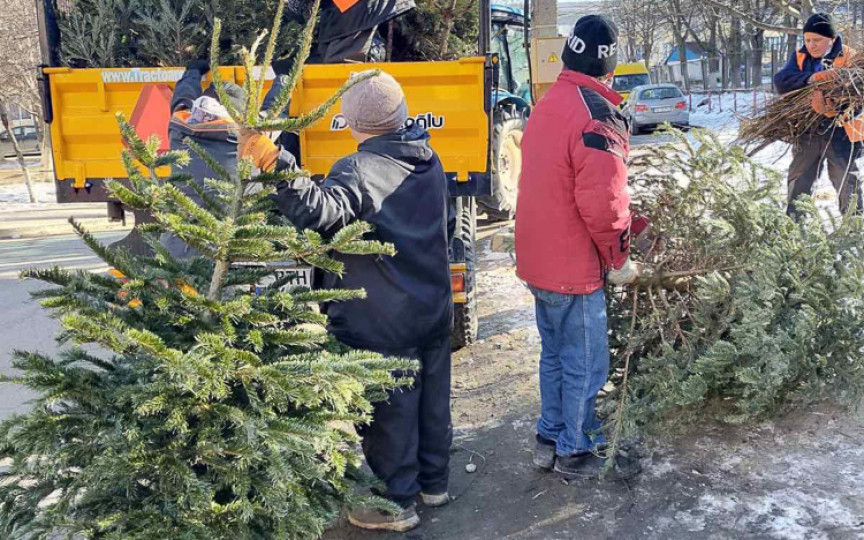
x=791 y=41
x=46 y=162
x=682 y=56
x=4 y=118
x=448 y=27
x=734 y=55
x=757 y=42
x=714 y=64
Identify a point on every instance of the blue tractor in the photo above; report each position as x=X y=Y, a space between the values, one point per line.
x=513 y=105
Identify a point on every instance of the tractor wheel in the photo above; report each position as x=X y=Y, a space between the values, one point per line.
x=507 y=156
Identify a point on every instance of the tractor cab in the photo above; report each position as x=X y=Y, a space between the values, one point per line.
x=508 y=41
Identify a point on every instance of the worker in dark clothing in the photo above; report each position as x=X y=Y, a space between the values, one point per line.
x=813 y=64
x=199 y=116
x=396 y=182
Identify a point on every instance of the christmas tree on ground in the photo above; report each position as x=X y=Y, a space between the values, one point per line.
x=743 y=312
x=197 y=410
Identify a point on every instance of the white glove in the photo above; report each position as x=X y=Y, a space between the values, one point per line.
x=626 y=275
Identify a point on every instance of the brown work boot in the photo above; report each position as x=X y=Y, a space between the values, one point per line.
x=435 y=500
x=377 y=520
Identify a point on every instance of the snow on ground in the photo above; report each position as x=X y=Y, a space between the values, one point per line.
x=14 y=196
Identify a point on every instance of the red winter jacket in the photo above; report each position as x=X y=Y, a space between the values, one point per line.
x=572 y=216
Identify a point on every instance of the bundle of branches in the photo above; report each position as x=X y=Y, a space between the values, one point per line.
x=744 y=312
x=786 y=117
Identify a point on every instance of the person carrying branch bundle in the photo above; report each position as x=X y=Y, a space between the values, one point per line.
x=815 y=64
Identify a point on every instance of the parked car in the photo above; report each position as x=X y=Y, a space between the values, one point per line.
x=27 y=139
x=653 y=104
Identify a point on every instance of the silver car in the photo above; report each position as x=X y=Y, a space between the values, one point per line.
x=653 y=104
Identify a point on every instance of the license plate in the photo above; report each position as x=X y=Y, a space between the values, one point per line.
x=662 y=109
x=298 y=276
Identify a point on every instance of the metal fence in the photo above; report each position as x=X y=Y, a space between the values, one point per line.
x=741 y=101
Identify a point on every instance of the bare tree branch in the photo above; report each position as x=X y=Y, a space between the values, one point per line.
x=752 y=20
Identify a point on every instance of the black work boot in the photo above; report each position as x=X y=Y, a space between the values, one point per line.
x=591 y=466
x=377 y=520
x=544 y=454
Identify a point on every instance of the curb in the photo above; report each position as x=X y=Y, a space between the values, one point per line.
x=60 y=229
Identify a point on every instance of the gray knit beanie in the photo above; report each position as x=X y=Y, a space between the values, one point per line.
x=375 y=106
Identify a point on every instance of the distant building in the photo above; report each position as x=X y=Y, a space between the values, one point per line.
x=698 y=63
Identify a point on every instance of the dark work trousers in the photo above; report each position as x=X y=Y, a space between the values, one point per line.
x=407 y=445
x=810 y=152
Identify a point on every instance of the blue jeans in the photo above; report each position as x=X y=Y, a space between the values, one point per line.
x=574 y=366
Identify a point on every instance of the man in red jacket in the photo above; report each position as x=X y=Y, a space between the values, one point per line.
x=572 y=234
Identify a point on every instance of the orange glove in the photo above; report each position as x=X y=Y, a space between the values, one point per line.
x=258 y=147
x=824 y=76
x=821 y=105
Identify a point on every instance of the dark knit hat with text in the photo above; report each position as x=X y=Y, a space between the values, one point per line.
x=822 y=24
x=592 y=47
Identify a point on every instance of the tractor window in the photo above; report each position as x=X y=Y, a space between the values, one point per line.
x=518 y=61
x=499 y=46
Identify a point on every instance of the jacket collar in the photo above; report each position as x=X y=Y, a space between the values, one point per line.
x=580 y=79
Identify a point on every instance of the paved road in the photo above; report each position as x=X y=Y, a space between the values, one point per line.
x=23 y=323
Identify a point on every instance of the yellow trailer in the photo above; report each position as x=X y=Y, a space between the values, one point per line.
x=447 y=98
x=459 y=102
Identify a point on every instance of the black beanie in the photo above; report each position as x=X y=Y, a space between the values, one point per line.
x=592 y=47
x=822 y=24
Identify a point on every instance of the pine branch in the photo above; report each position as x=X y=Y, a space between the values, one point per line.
x=116 y=258
x=218 y=83
x=193 y=210
x=323 y=296
x=137 y=147
x=178 y=158
x=250 y=86
x=222 y=174
x=284 y=97
x=274 y=177
x=296 y=125
x=211 y=202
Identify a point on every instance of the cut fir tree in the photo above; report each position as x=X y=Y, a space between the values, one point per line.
x=744 y=312
x=207 y=413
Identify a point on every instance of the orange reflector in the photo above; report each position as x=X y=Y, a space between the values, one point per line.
x=152 y=114
x=457 y=282
x=345 y=5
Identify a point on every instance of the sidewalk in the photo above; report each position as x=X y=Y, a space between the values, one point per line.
x=22 y=219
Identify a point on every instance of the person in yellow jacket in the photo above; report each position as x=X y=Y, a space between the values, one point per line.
x=814 y=64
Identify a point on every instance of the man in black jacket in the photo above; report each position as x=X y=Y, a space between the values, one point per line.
x=394 y=181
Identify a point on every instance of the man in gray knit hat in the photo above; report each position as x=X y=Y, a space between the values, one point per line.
x=394 y=181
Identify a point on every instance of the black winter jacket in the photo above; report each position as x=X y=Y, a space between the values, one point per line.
x=396 y=183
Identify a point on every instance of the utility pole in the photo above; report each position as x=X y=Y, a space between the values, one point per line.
x=544 y=18
x=546 y=47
